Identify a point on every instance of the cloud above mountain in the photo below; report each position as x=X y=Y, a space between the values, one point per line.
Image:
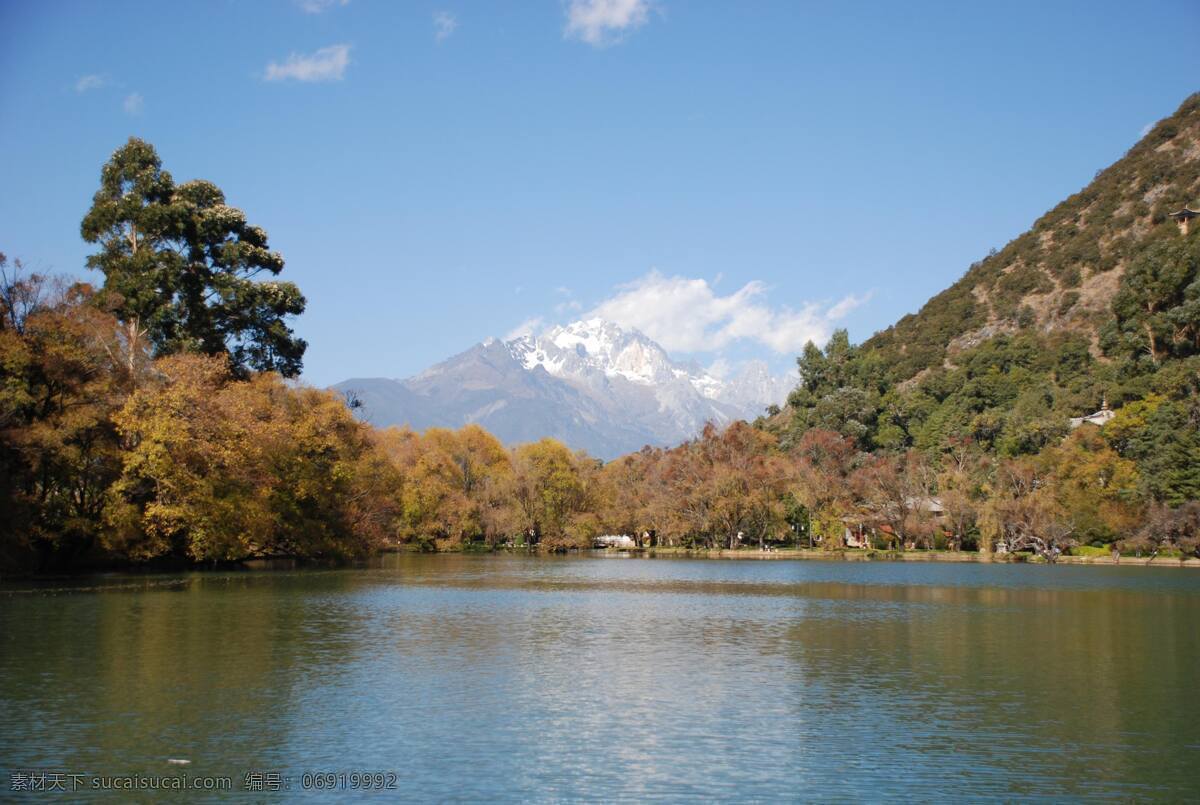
x=86 y=83
x=531 y=326
x=444 y=24
x=319 y=6
x=325 y=64
x=689 y=315
x=604 y=22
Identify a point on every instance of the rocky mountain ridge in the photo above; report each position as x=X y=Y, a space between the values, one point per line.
x=592 y=384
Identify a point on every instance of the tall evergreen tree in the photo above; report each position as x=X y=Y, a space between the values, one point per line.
x=181 y=267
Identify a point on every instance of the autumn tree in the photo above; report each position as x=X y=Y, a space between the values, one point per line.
x=744 y=485
x=683 y=505
x=336 y=495
x=1023 y=512
x=550 y=488
x=434 y=505
x=1097 y=489
x=62 y=375
x=823 y=462
x=453 y=487
x=896 y=492
x=221 y=470
x=633 y=497
x=1167 y=528
x=483 y=470
x=723 y=485
x=181 y=267
x=961 y=489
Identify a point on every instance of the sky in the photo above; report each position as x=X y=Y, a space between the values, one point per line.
x=733 y=179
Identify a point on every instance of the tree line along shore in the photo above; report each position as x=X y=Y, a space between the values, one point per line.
x=156 y=418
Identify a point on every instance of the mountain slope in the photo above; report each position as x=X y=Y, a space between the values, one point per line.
x=591 y=384
x=1063 y=273
x=1098 y=301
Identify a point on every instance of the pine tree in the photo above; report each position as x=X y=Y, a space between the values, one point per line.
x=181 y=267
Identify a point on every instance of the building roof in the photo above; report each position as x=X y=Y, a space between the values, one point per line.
x=1101 y=417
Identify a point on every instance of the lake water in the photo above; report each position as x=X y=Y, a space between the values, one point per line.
x=500 y=677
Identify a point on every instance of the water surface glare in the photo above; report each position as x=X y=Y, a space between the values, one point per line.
x=502 y=677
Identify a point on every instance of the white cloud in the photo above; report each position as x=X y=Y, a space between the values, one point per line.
x=444 y=24
x=604 y=22
x=134 y=103
x=569 y=303
x=326 y=64
x=1146 y=129
x=319 y=6
x=527 y=327
x=90 y=82
x=846 y=305
x=689 y=316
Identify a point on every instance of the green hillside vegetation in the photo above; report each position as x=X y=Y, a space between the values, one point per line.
x=1099 y=302
x=1062 y=273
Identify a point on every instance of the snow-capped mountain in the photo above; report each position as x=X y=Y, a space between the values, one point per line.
x=592 y=384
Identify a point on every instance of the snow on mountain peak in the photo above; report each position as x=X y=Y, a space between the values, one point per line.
x=592 y=383
x=591 y=350
x=594 y=347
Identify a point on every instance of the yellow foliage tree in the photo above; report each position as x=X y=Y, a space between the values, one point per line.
x=219 y=470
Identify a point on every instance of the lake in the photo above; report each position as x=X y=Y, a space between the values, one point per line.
x=549 y=678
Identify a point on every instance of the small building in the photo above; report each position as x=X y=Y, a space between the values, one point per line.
x=928 y=505
x=1098 y=419
x=1183 y=218
x=861 y=532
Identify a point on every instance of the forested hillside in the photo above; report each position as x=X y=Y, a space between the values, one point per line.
x=1098 y=302
x=1062 y=275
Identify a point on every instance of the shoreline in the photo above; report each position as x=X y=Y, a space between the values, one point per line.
x=861 y=555
x=286 y=563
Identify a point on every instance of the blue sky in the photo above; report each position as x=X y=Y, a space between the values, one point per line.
x=731 y=177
